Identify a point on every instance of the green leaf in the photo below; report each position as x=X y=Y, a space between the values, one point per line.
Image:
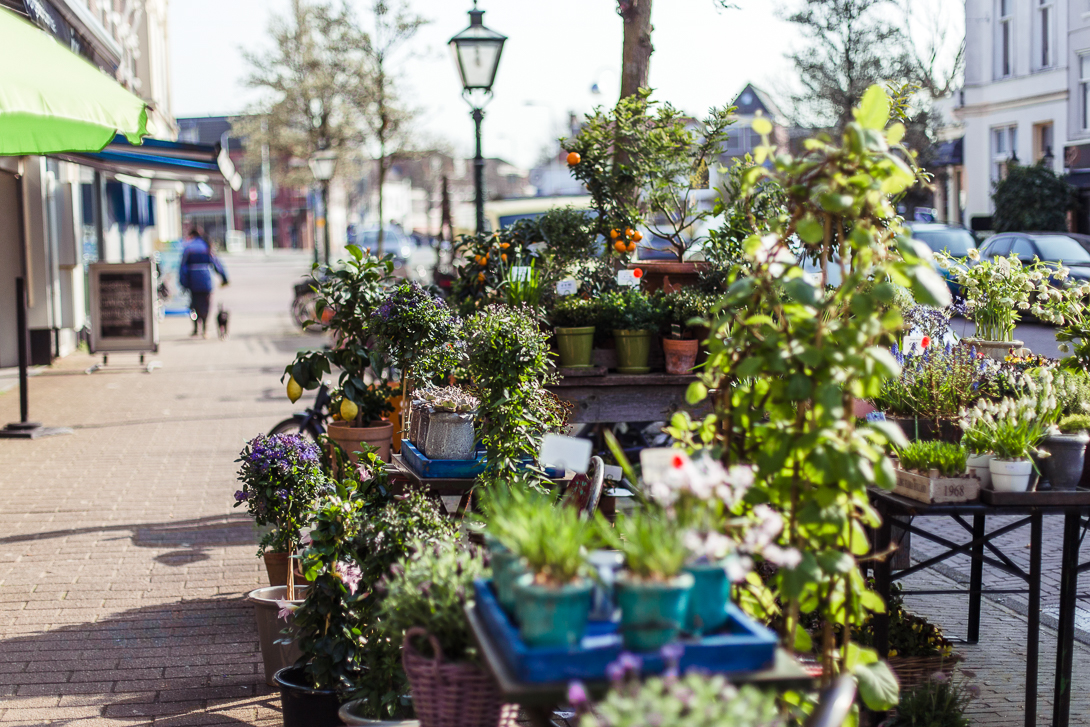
x=696 y=393
x=355 y=251
x=894 y=433
x=762 y=126
x=810 y=230
x=832 y=202
x=803 y=643
x=885 y=359
x=801 y=291
x=873 y=111
x=895 y=133
x=877 y=686
x=929 y=288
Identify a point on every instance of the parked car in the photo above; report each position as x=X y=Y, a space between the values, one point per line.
x=951 y=239
x=394 y=242
x=1068 y=249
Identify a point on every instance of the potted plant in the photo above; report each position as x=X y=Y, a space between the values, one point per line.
x=281 y=480
x=634 y=319
x=935 y=472
x=443 y=422
x=359 y=534
x=682 y=310
x=507 y=514
x=359 y=419
x=939 y=701
x=574 y=320
x=1067 y=452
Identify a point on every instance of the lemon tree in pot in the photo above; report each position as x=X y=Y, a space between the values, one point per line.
x=634 y=318
x=359 y=419
x=574 y=321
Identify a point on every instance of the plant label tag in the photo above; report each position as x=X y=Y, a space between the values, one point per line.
x=659 y=463
x=567 y=287
x=520 y=273
x=627 y=277
x=612 y=473
x=565 y=453
x=913 y=344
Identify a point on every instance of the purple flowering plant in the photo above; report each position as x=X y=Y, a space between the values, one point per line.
x=937 y=383
x=281 y=479
x=416 y=332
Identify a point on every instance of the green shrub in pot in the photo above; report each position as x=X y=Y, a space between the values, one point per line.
x=507 y=514
x=575 y=320
x=681 y=312
x=633 y=318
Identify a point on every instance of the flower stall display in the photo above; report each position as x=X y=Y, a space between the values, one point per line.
x=574 y=322
x=934 y=472
x=442 y=422
x=633 y=318
x=281 y=480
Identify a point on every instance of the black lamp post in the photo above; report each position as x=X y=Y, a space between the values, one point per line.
x=322 y=165
x=477 y=52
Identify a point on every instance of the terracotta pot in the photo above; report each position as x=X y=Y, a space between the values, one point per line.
x=680 y=355
x=276 y=565
x=380 y=434
x=657 y=274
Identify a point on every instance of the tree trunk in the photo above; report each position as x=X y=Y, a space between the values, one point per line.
x=636 y=58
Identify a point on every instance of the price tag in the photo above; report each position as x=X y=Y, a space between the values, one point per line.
x=913 y=344
x=612 y=473
x=658 y=464
x=567 y=287
x=520 y=273
x=565 y=452
x=627 y=277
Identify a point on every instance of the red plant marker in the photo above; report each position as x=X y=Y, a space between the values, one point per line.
x=637 y=273
x=678 y=462
x=925 y=342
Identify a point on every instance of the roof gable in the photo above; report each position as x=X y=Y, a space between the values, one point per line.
x=752 y=99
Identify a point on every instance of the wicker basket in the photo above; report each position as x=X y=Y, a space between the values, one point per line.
x=912 y=671
x=452 y=694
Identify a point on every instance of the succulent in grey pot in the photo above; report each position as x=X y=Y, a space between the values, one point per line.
x=449 y=431
x=1067 y=453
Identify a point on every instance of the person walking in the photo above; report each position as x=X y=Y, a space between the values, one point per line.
x=195 y=274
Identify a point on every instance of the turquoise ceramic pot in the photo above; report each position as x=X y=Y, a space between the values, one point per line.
x=708 y=600
x=552 y=616
x=505 y=569
x=652 y=614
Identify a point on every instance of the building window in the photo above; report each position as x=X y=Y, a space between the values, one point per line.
x=1084 y=91
x=1042 y=140
x=1004 y=150
x=1004 y=40
x=1045 y=16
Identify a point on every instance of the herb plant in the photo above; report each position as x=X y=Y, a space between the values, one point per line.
x=1075 y=423
x=430 y=588
x=652 y=544
x=629 y=310
x=938 y=702
x=522 y=283
x=948 y=459
x=555 y=542
x=685 y=307
x=417 y=332
x=575 y=312
x=281 y=480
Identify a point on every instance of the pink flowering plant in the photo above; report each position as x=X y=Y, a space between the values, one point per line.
x=281 y=480
x=359 y=534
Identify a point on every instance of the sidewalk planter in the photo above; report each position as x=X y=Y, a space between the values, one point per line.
x=576 y=347
x=652 y=614
x=996 y=350
x=1011 y=475
x=633 y=350
x=275 y=656
x=1064 y=468
x=302 y=704
x=452 y=694
x=551 y=616
x=449 y=435
x=506 y=569
x=708 y=600
x=276 y=566
x=380 y=434
x=680 y=355
x=348 y=710
x=979 y=466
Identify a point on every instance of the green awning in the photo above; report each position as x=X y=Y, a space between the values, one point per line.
x=53 y=101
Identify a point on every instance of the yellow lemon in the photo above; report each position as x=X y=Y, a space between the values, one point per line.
x=348 y=410
x=294 y=389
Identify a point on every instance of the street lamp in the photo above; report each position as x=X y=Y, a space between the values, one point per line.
x=323 y=164
x=477 y=52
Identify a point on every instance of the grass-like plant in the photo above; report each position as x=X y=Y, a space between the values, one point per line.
x=555 y=547
x=948 y=459
x=652 y=545
x=938 y=702
x=1075 y=423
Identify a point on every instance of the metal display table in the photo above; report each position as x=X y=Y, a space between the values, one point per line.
x=539 y=700
x=890 y=505
x=624 y=397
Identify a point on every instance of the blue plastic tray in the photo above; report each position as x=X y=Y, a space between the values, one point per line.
x=740 y=646
x=450 y=468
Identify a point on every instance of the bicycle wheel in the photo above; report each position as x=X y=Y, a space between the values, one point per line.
x=296 y=425
x=302 y=311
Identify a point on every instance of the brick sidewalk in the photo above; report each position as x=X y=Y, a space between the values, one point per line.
x=122 y=562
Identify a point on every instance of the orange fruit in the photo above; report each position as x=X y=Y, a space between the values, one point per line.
x=637 y=236
x=614 y=234
x=632 y=247
x=480 y=277
x=619 y=246
x=628 y=232
x=505 y=245
x=574 y=159
x=504 y=257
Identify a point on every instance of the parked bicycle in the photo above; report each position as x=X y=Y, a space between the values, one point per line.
x=310 y=423
x=303 y=307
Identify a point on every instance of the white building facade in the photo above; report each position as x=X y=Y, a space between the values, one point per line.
x=1026 y=99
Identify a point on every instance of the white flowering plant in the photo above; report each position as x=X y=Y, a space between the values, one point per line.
x=1066 y=309
x=998 y=291
x=1013 y=427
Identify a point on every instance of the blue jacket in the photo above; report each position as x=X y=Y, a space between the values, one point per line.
x=197 y=265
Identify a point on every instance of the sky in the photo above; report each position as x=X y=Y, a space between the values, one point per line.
x=556 y=51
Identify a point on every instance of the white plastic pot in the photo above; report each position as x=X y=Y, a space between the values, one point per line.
x=1010 y=475
x=979 y=466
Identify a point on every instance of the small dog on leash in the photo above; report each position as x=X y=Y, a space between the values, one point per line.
x=222 y=319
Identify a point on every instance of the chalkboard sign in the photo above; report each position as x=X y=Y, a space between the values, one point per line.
x=123 y=316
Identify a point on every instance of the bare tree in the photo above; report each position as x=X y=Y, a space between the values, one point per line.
x=936 y=37
x=383 y=111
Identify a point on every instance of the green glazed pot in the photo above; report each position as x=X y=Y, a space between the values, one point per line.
x=708 y=600
x=633 y=350
x=506 y=568
x=652 y=614
x=576 y=346
x=552 y=616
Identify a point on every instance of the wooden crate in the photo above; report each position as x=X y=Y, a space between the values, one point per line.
x=936 y=489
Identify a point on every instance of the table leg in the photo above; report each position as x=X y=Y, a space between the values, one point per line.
x=539 y=716
x=976 y=581
x=882 y=580
x=1065 y=635
x=1033 y=632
